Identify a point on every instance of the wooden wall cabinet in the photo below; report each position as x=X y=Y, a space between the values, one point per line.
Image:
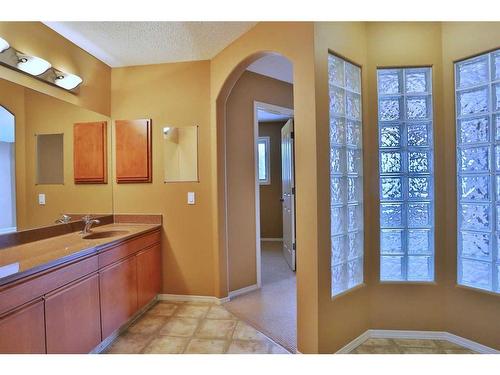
x=133 y=151
x=90 y=152
x=72 y=317
x=22 y=330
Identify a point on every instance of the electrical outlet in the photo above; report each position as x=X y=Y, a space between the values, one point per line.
x=41 y=199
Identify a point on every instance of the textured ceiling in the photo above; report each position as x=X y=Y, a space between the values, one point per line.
x=140 y=43
x=275 y=66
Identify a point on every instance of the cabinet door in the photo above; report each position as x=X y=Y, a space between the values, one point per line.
x=133 y=151
x=148 y=274
x=23 y=331
x=89 y=152
x=72 y=317
x=118 y=290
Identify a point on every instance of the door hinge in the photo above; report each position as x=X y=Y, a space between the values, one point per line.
x=293 y=191
x=292 y=135
x=294 y=246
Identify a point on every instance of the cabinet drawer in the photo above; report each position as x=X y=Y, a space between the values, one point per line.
x=24 y=292
x=127 y=248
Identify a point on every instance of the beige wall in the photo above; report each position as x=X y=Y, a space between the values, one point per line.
x=37 y=39
x=240 y=146
x=271 y=213
x=175 y=95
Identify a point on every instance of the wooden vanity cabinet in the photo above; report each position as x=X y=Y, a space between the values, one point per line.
x=72 y=317
x=22 y=331
x=74 y=307
x=148 y=274
x=118 y=289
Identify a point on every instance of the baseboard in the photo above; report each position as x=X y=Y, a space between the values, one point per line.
x=354 y=343
x=189 y=298
x=113 y=336
x=272 y=239
x=244 y=290
x=416 y=335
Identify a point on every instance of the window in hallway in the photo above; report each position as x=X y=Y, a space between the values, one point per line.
x=406 y=174
x=264 y=160
x=346 y=170
x=477 y=85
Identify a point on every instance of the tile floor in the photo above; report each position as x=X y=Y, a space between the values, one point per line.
x=404 y=346
x=192 y=328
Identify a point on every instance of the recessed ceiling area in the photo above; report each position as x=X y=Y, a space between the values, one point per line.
x=274 y=66
x=120 y=44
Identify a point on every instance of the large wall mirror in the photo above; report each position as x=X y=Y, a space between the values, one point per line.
x=37 y=160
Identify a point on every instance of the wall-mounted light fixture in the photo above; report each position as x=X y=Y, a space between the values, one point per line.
x=37 y=67
x=3 y=45
x=32 y=65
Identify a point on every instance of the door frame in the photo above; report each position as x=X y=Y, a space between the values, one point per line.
x=281 y=111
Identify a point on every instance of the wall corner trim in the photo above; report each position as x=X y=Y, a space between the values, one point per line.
x=241 y=291
x=422 y=335
x=189 y=298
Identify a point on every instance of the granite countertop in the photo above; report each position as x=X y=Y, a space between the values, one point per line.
x=23 y=260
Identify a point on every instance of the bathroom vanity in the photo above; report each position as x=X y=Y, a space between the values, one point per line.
x=68 y=294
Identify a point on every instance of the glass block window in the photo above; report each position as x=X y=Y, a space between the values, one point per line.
x=406 y=174
x=477 y=85
x=346 y=184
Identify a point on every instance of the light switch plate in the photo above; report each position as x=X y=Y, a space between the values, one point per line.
x=41 y=199
x=191 y=197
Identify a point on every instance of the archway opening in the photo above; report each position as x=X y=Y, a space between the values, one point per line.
x=255 y=124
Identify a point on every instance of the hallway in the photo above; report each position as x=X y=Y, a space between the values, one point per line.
x=273 y=308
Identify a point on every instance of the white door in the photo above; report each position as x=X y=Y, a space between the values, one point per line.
x=288 y=193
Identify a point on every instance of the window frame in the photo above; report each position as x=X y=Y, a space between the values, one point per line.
x=266 y=141
x=493 y=173
x=403 y=123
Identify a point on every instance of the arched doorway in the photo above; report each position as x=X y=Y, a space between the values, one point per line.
x=255 y=85
x=7 y=172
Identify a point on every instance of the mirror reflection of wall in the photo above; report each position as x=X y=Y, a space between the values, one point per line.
x=180 y=153
x=50 y=159
x=7 y=172
x=43 y=163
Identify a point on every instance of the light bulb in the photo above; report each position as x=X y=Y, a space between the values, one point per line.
x=4 y=45
x=32 y=64
x=67 y=81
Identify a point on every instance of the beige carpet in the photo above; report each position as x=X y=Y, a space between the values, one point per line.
x=272 y=309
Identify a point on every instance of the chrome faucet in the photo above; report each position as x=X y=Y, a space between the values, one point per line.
x=64 y=219
x=88 y=221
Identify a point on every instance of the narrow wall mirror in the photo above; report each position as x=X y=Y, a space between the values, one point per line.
x=180 y=153
x=50 y=159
